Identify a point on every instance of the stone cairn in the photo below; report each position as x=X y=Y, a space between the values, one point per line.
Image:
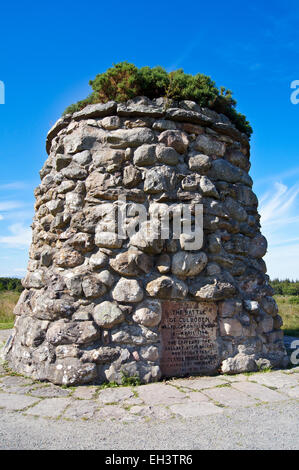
x=93 y=305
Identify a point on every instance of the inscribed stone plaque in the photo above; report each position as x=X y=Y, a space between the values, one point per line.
x=188 y=337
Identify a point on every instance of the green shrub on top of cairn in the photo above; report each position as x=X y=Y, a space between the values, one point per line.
x=125 y=81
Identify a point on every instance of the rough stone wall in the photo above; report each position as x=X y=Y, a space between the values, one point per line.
x=91 y=308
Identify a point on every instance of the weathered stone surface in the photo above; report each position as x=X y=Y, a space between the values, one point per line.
x=165 y=287
x=238 y=364
x=277 y=379
x=134 y=335
x=145 y=155
x=50 y=391
x=212 y=288
x=190 y=182
x=97 y=182
x=266 y=323
x=207 y=187
x=102 y=355
x=67 y=258
x=67 y=350
x=131 y=177
x=82 y=158
x=159 y=179
x=123 y=138
x=269 y=305
x=175 y=139
x=45 y=308
x=209 y=146
x=193 y=410
x=187 y=115
x=251 y=306
x=140 y=106
x=148 y=313
x=62 y=332
x=98 y=260
x=225 y=171
x=160 y=394
x=32 y=335
x=36 y=280
x=258 y=247
x=16 y=402
x=197 y=384
x=96 y=110
x=163 y=263
x=115 y=395
x=237 y=158
x=167 y=155
x=127 y=290
x=82 y=242
x=110 y=159
x=230 y=397
x=230 y=327
x=107 y=278
x=107 y=315
x=258 y=392
x=164 y=125
x=58 y=126
x=186 y=264
x=200 y=163
x=93 y=287
x=107 y=240
x=83 y=409
x=230 y=307
x=149 y=353
x=132 y=263
x=111 y=123
x=235 y=209
x=74 y=172
x=72 y=372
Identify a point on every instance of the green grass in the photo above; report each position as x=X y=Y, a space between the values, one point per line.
x=8 y=300
x=289 y=312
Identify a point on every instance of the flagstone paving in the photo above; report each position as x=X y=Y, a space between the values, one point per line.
x=259 y=391
x=178 y=398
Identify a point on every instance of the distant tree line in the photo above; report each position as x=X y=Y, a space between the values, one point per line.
x=285 y=287
x=10 y=283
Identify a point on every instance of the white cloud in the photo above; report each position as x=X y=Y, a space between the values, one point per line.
x=292 y=172
x=279 y=211
x=282 y=261
x=16 y=185
x=19 y=271
x=274 y=208
x=20 y=236
x=23 y=215
x=10 y=205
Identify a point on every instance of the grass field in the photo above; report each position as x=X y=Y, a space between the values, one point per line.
x=7 y=302
x=288 y=311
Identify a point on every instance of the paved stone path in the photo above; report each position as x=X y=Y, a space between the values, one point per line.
x=183 y=398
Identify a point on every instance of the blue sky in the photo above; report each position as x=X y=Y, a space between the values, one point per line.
x=49 y=51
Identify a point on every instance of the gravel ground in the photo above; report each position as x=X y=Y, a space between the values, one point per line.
x=263 y=427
